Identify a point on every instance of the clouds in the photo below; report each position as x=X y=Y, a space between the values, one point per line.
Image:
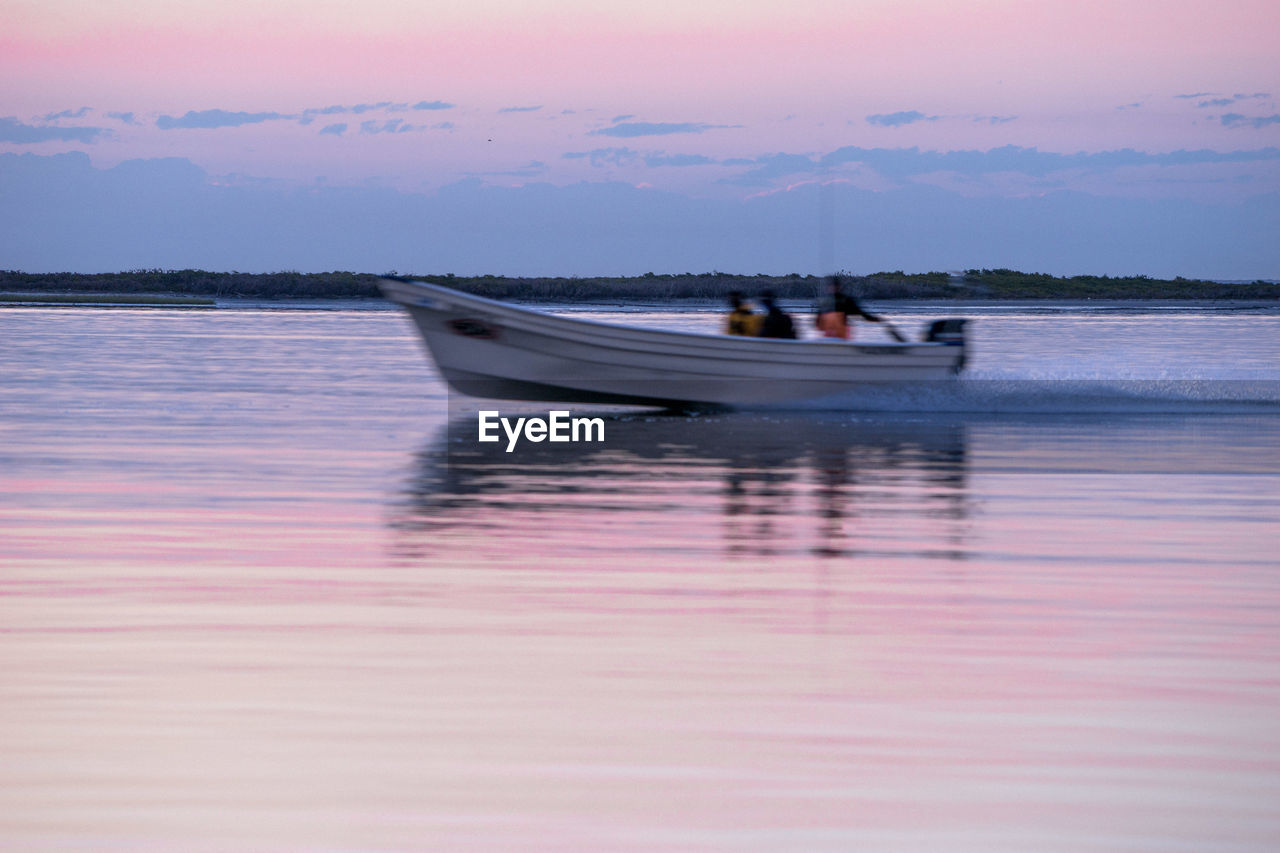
x=899 y=119
x=394 y=125
x=1012 y=170
x=1004 y=171
x=994 y=102
x=220 y=119
x=632 y=129
x=399 y=142
x=213 y=119
x=80 y=113
x=903 y=162
x=602 y=157
x=359 y=109
x=1235 y=120
x=1215 y=99
x=1256 y=122
x=168 y=214
x=209 y=119
x=13 y=130
x=662 y=159
x=685 y=156
x=906 y=117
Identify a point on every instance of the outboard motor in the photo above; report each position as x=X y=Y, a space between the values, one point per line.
x=950 y=332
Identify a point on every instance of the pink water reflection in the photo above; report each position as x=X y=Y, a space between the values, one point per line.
x=244 y=628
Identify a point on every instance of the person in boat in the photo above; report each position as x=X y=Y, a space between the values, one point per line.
x=833 y=311
x=742 y=320
x=776 y=323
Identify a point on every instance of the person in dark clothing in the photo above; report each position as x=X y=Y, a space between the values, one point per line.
x=832 y=313
x=777 y=323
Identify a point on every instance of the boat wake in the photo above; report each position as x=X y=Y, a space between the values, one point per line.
x=1063 y=396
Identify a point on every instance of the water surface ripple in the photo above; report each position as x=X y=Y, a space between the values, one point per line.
x=261 y=589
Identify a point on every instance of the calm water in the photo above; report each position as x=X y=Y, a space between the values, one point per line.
x=261 y=590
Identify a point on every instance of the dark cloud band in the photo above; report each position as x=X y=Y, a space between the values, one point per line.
x=12 y=130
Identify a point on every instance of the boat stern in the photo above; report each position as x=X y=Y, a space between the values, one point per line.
x=951 y=332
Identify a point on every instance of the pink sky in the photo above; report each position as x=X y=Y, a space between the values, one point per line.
x=717 y=99
x=1056 y=76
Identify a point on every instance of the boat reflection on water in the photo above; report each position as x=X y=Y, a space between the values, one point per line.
x=902 y=629
x=814 y=485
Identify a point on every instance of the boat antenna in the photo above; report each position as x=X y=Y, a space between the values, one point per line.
x=826 y=237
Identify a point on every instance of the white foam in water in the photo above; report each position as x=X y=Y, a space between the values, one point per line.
x=1066 y=396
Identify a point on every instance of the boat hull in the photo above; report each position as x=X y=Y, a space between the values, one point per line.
x=491 y=349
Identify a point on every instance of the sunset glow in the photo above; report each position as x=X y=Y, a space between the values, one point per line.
x=706 y=100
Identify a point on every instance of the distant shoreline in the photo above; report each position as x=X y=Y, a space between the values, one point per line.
x=984 y=286
x=106 y=300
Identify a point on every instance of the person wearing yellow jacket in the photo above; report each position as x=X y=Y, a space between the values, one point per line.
x=742 y=320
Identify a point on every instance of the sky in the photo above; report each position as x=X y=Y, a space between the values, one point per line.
x=565 y=137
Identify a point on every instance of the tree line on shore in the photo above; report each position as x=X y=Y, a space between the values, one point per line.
x=971 y=284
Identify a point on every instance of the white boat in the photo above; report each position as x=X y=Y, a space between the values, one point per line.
x=492 y=349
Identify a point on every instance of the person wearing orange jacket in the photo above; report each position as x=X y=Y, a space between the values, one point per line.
x=832 y=311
